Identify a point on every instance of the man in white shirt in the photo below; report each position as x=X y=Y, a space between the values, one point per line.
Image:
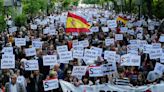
x=13 y=86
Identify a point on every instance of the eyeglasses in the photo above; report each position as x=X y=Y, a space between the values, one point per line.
x=13 y=78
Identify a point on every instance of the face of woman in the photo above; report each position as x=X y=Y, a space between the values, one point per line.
x=103 y=79
x=85 y=80
x=68 y=73
x=139 y=77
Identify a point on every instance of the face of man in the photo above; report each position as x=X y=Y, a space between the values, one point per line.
x=13 y=79
x=36 y=72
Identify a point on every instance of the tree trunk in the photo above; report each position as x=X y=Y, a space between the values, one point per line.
x=130 y=6
x=149 y=8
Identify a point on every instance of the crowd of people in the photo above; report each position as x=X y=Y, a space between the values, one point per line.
x=50 y=30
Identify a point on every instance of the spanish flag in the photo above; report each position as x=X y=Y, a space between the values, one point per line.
x=124 y=20
x=76 y=24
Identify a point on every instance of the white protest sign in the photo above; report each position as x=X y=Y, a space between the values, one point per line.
x=8 y=56
x=146 y=48
x=132 y=47
x=142 y=43
x=52 y=26
x=7 y=50
x=78 y=53
x=135 y=60
x=63 y=19
x=103 y=20
x=75 y=43
x=161 y=39
x=124 y=29
x=13 y=29
x=90 y=54
x=125 y=59
x=151 y=27
x=139 y=36
x=134 y=52
x=79 y=70
x=78 y=47
x=129 y=25
x=37 y=39
x=109 y=41
x=7 y=63
x=130 y=60
x=118 y=37
x=85 y=43
x=49 y=60
x=20 y=42
x=37 y=44
x=30 y=52
x=31 y=65
x=138 y=23
x=88 y=33
x=65 y=56
x=155 y=53
x=63 y=48
x=33 y=26
x=46 y=30
x=156 y=45
x=159 y=68
x=131 y=32
x=94 y=29
x=139 y=30
x=95 y=71
x=52 y=32
x=117 y=58
x=100 y=50
x=110 y=56
x=105 y=29
x=134 y=42
x=162 y=58
x=112 y=23
x=75 y=33
x=50 y=84
x=108 y=68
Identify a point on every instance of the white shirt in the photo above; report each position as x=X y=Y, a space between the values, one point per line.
x=13 y=88
x=21 y=80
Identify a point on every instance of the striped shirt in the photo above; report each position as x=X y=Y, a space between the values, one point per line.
x=120 y=81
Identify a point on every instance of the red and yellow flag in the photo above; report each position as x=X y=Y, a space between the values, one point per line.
x=124 y=20
x=76 y=24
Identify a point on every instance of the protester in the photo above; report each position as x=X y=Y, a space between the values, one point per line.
x=13 y=85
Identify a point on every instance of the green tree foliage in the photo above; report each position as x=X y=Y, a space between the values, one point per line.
x=2 y=18
x=91 y=1
x=20 y=20
x=1 y=7
x=66 y=3
x=33 y=7
x=75 y=2
x=2 y=23
x=158 y=8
